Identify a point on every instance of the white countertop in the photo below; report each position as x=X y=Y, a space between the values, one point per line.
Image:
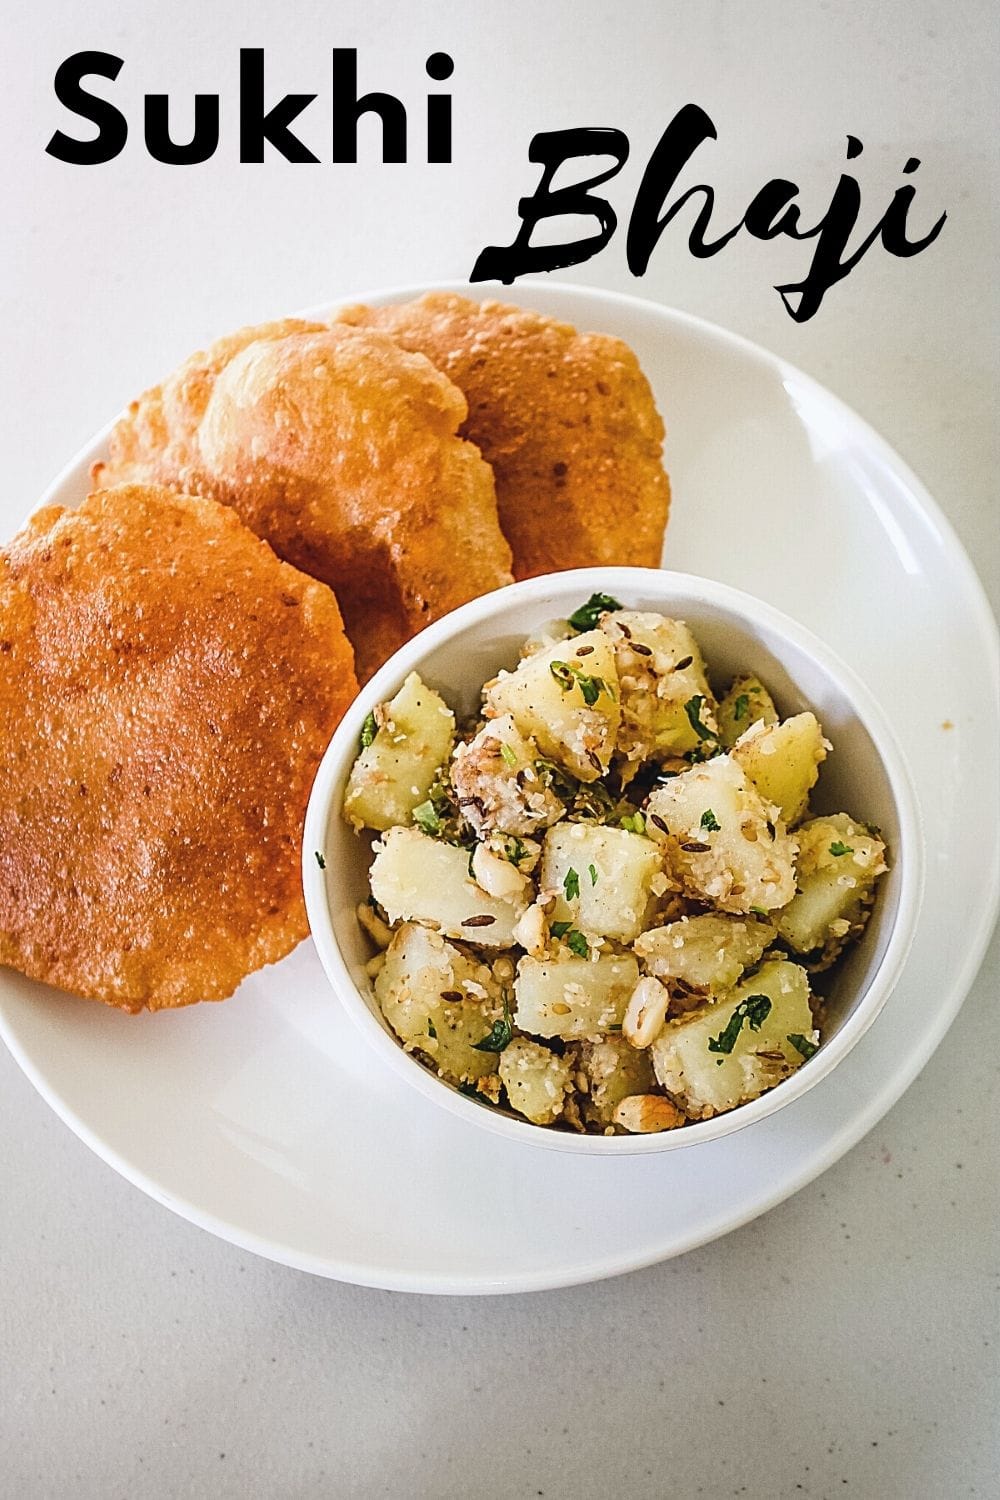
x=846 y=1343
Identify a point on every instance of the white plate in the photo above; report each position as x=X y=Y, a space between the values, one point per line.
x=270 y=1122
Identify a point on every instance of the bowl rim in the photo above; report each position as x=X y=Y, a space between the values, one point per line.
x=677 y=588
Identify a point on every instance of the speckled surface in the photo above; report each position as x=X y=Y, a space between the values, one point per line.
x=846 y=1343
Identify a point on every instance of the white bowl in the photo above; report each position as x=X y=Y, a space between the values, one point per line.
x=866 y=775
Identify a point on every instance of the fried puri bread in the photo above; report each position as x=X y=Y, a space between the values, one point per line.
x=566 y=419
x=341 y=449
x=167 y=688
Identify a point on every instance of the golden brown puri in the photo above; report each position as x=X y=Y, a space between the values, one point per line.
x=341 y=450
x=167 y=688
x=566 y=419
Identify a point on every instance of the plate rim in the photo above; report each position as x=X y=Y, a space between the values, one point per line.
x=858 y=1123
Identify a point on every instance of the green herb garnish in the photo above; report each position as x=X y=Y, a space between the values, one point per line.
x=693 y=710
x=431 y=1030
x=509 y=753
x=760 y=911
x=838 y=848
x=560 y=929
x=500 y=1033
x=426 y=817
x=709 y=821
x=587 y=616
x=741 y=707
x=633 y=822
x=802 y=1044
x=320 y=860
x=571 y=884
x=567 y=675
x=592 y=871
x=369 y=730
x=556 y=779
x=578 y=944
x=514 y=848
x=755 y=1009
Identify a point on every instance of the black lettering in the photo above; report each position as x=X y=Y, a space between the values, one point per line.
x=439 y=67
x=762 y=217
x=112 y=127
x=258 y=126
x=678 y=143
x=894 y=224
x=826 y=267
x=202 y=143
x=348 y=109
x=834 y=230
x=552 y=149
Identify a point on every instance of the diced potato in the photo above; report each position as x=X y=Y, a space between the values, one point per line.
x=613 y=1071
x=718 y=841
x=834 y=888
x=536 y=1080
x=706 y=952
x=420 y=879
x=573 y=997
x=602 y=876
x=660 y=671
x=565 y=698
x=419 y=969
x=497 y=786
x=714 y=1059
x=393 y=774
x=747 y=702
x=783 y=761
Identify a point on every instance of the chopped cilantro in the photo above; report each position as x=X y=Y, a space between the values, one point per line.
x=741 y=707
x=578 y=944
x=320 y=860
x=369 y=730
x=560 y=929
x=693 y=710
x=567 y=675
x=802 y=1044
x=514 y=849
x=432 y=1030
x=760 y=911
x=509 y=753
x=587 y=616
x=838 y=848
x=500 y=1033
x=571 y=884
x=592 y=871
x=709 y=821
x=426 y=817
x=755 y=1009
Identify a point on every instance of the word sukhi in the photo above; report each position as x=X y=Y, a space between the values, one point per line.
x=260 y=123
x=771 y=212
